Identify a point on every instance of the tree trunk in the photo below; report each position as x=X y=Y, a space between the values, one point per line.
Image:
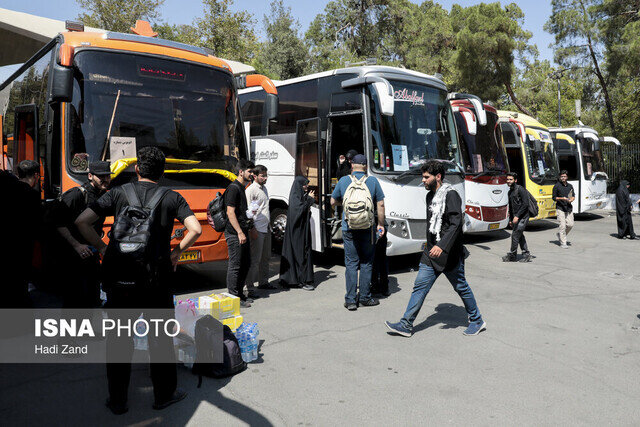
x=603 y=84
x=515 y=100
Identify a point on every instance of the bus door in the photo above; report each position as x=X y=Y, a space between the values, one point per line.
x=514 y=149
x=309 y=160
x=345 y=133
x=25 y=135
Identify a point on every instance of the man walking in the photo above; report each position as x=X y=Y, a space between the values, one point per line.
x=237 y=232
x=130 y=288
x=444 y=252
x=258 y=196
x=518 y=219
x=359 y=195
x=79 y=279
x=564 y=195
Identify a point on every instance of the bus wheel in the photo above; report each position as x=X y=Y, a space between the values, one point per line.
x=278 y=224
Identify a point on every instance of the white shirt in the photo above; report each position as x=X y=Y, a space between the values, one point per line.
x=258 y=193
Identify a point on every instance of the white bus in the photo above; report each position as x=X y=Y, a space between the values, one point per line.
x=397 y=117
x=579 y=153
x=484 y=159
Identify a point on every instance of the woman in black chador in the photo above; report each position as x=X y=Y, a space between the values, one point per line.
x=296 y=268
x=623 y=211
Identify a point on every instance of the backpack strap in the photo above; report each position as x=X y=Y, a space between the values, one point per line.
x=130 y=194
x=85 y=194
x=156 y=198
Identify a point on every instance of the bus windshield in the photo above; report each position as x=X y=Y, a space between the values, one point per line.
x=122 y=102
x=421 y=128
x=542 y=161
x=591 y=159
x=484 y=152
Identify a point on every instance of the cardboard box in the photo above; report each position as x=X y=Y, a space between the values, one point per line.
x=220 y=306
x=233 y=322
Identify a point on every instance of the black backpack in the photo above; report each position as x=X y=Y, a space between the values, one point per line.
x=205 y=334
x=132 y=255
x=217 y=213
x=533 y=205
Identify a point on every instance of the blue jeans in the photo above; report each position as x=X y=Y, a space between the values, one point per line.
x=425 y=279
x=358 y=252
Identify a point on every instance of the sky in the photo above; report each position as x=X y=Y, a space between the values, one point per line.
x=184 y=11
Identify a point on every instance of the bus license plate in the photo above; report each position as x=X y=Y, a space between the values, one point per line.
x=189 y=256
x=494 y=226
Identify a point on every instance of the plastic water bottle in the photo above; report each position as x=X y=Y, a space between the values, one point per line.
x=140 y=343
x=254 y=347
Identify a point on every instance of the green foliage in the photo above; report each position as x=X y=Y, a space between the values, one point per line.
x=487 y=40
x=283 y=55
x=118 y=15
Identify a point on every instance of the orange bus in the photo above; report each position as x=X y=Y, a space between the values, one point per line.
x=100 y=96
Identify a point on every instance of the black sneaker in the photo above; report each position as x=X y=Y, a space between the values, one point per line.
x=369 y=303
x=177 y=396
x=526 y=258
x=244 y=303
x=117 y=409
x=351 y=306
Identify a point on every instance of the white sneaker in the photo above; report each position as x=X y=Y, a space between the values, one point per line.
x=564 y=246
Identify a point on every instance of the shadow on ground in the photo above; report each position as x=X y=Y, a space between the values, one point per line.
x=449 y=316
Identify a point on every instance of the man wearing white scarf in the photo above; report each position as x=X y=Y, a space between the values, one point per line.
x=444 y=252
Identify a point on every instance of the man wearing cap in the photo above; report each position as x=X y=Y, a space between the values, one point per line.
x=359 y=244
x=79 y=262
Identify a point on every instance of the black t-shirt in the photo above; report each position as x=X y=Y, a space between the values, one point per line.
x=560 y=190
x=173 y=206
x=235 y=196
x=71 y=204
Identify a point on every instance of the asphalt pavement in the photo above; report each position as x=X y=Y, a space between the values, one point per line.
x=562 y=347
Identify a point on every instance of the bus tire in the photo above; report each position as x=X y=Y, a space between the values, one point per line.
x=278 y=225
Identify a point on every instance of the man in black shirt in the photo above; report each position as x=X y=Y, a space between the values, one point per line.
x=564 y=195
x=237 y=230
x=153 y=293
x=21 y=215
x=443 y=253
x=518 y=219
x=78 y=262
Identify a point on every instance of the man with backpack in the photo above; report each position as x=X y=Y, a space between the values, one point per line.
x=518 y=219
x=138 y=268
x=359 y=195
x=236 y=232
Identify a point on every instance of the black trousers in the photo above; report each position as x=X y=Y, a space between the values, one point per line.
x=164 y=376
x=81 y=282
x=625 y=226
x=239 y=264
x=517 y=237
x=380 y=271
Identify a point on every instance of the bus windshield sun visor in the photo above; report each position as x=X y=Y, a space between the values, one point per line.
x=476 y=102
x=382 y=87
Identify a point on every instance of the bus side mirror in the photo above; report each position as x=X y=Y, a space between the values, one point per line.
x=537 y=146
x=61 y=84
x=271 y=106
x=385 y=95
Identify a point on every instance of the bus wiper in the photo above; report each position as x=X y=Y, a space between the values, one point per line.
x=406 y=173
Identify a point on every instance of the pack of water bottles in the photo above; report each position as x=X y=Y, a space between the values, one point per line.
x=247 y=335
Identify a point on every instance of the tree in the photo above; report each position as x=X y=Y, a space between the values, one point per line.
x=118 y=15
x=229 y=34
x=488 y=38
x=284 y=54
x=579 y=41
x=348 y=30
